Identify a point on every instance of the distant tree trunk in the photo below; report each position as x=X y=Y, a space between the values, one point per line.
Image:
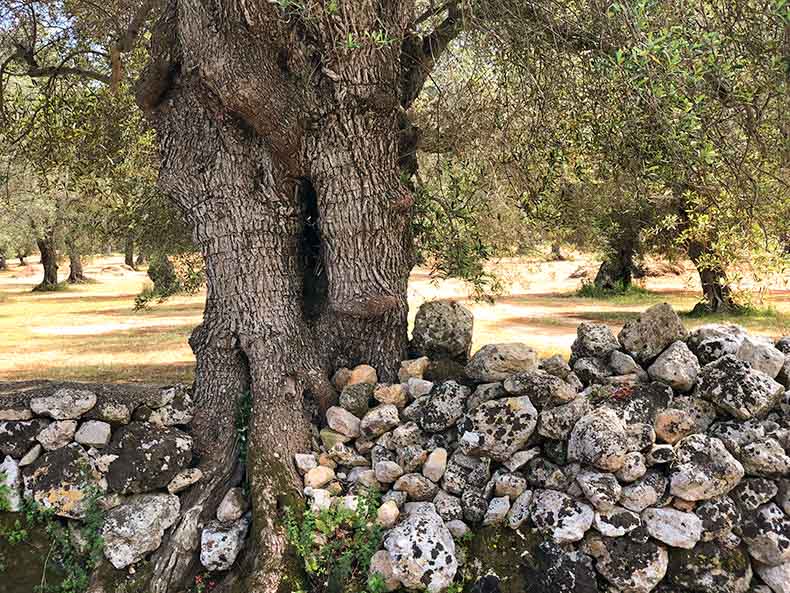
x=128 y=253
x=3 y=263
x=716 y=293
x=49 y=260
x=21 y=257
x=140 y=259
x=617 y=270
x=556 y=252
x=76 y=274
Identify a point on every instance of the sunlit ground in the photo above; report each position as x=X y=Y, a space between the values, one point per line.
x=91 y=333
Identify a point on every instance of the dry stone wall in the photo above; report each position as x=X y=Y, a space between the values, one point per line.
x=653 y=460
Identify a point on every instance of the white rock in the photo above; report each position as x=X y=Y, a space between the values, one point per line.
x=436 y=464
x=676 y=366
x=497 y=511
x=674 y=528
x=136 y=527
x=388 y=514
x=184 y=479
x=220 y=543
x=57 y=434
x=10 y=478
x=31 y=455
x=762 y=355
x=519 y=510
x=93 y=433
x=233 y=506
x=557 y=514
x=319 y=476
x=342 y=421
x=616 y=522
x=776 y=577
x=64 y=404
x=387 y=471
x=305 y=462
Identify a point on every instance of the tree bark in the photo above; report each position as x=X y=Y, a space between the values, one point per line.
x=128 y=252
x=716 y=293
x=49 y=261
x=3 y=263
x=556 y=252
x=289 y=175
x=617 y=270
x=76 y=274
x=21 y=258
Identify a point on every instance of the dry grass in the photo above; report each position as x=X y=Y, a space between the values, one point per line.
x=91 y=333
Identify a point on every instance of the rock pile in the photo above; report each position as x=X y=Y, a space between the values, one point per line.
x=129 y=450
x=653 y=460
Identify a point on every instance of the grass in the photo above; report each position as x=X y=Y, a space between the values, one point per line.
x=90 y=332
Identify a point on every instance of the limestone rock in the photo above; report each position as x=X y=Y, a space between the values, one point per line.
x=387 y=471
x=93 y=433
x=443 y=407
x=305 y=462
x=436 y=464
x=496 y=362
x=387 y=514
x=601 y=489
x=184 y=479
x=381 y=564
x=591 y=370
x=704 y=469
x=355 y=398
x=776 y=577
x=221 y=543
x=519 y=510
x=761 y=355
x=677 y=366
x=179 y=410
x=443 y=330
x=599 y=439
x=10 y=479
x=631 y=566
x=633 y=468
x=394 y=394
x=712 y=341
x=148 y=457
x=645 y=492
x=379 y=420
x=593 y=340
x=673 y=527
x=422 y=552
x=616 y=522
x=765 y=457
x=418 y=487
x=766 y=533
x=503 y=425
x=710 y=568
x=557 y=423
x=673 y=424
x=318 y=477
x=413 y=369
x=561 y=517
x=448 y=506
x=485 y=392
x=737 y=389
x=497 y=511
x=718 y=516
x=343 y=421
x=651 y=332
x=136 y=527
x=544 y=390
x=233 y=506
x=57 y=434
x=64 y=404
x=363 y=373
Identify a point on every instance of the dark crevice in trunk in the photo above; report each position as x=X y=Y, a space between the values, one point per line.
x=49 y=261
x=314 y=283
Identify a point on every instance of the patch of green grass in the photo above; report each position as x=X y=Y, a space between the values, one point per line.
x=59 y=287
x=624 y=295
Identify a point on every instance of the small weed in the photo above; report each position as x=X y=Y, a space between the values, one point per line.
x=5 y=494
x=336 y=545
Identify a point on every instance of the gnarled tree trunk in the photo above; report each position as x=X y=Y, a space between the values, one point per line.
x=128 y=252
x=3 y=263
x=717 y=295
x=283 y=151
x=617 y=270
x=49 y=261
x=76 y=274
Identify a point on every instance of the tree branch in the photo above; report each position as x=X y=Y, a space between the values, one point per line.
x=420 y=55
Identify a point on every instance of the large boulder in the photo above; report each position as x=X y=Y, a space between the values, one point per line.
x=703 y=469
x=738 y=389
x=148 y=457
x=443 y=329
x=712 y=341
x=136 y=527
x=64 y=404
x=761 y=354
x=496 y=362
x=498 y=428
x=599 y=439
x=651 y=332
x=422 y=551
x=63 y=481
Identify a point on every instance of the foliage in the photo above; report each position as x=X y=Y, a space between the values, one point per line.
x=76 y=553
x=336 y=544
x=590 y=291
x=174 y=274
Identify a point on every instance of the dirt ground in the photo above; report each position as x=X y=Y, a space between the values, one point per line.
x=90 y=332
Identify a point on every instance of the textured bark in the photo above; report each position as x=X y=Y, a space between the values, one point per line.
x=716 y=293
x=618 y=269
x=21 y=258
x=76 y=273
x=49 y=261
x=283 y=152
x=3 y=263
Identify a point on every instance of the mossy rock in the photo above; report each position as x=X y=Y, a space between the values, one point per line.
x=25 y=562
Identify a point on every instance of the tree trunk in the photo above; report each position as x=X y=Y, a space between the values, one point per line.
x=3 y=263
x=289 y=176
x=49 y=261
x=21 y=258
x=128 y=252
x=76 y=274
x=556 y=252
x=140 y=259
x=617 y=270
x=717 y=294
